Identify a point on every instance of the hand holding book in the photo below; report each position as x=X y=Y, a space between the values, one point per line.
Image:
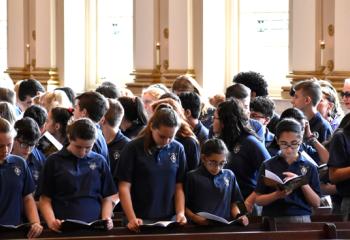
x=289 y=183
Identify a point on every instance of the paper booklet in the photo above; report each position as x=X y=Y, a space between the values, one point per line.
x=160 y=224
x=48 y=144
x=216 y=218
x=73 y=224
x=20 y=227
x=272 y=180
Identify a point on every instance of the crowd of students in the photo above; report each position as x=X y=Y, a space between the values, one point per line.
x=171 y=154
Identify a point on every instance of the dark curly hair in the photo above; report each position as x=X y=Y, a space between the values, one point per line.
x=234 y=122
x=263 y=105
x=253 y=80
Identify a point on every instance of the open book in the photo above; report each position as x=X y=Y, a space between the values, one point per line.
x=216 y=218
x=161 y=224
x=48 y=144
x=21 y=227
x=73 y=224
x=272 y=180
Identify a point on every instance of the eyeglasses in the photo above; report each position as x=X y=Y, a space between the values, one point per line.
x=256 y=116
x=293 y=145
x=345 y=94
x=26 y=145
x=213 y=163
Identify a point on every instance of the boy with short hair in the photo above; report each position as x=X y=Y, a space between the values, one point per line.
x=308 y=94
x=191 y=104
x=93 y=105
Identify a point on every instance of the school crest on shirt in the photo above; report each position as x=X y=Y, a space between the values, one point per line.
x=237 y=148
x=116 y=155
x=303 y=170
x=221 y=181
x=36 y=175
x=92 y=165
x=173 y=157
x=17 y=170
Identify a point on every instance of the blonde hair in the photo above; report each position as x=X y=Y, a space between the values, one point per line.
x=331 y=94
x=156 y=90
x=56 y=98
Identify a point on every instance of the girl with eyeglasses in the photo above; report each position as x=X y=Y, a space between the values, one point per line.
x=287 y=205
x=212 y=189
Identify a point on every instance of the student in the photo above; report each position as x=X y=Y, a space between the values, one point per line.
x=57 y=121
x=184 y=135
x=151 y=173
x=115 y=139
x=152 y=94
x=16 y=192
x=56 y=98
x=185 y=83
x=246 y=151
x=307 y=95
x=27 y=90
x=135 y=116
x=262 y=109
x=212 y=189
x=39 y=114
x=28 y=135
x=191 y=104
x=69 y=92
x=93 y=105
x=109 y=90
x=76 y=182
x=287 y=205
x=8 y=112
x=339 y=166
x=242 y=93
x=259 y=87
x=329 y=105
x=7 y=95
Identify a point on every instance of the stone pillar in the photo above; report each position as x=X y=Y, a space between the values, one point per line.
x=31 y=51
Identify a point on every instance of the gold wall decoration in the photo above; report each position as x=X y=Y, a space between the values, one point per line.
x=330 y=65
x=166 y=64
x=166 y=33
x=330 y=29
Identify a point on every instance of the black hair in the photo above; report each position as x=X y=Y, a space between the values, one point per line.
x=134 y=111
x=288 y=125
x=27 y=130
x=191 y=101
x=294 y=113
x=234 y=121
x=82 y=128
x=29 y=87
x=214 y=146
x=238 y=91
x=38 y=113
x=109 y=90
x=94 y=103
x=7 y=95
x=310 y=88
x=263 y=105
x=170 y=95
x=69 y=92
x=253 y=80
x=61 y=116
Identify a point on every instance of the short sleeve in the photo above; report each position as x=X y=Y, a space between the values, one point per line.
x=181 y=172
x=108 y=187
x=125 y=169
x=338 y=152
x=46 y=185
x=236 y=195
x=28 y=185
x=260 y=186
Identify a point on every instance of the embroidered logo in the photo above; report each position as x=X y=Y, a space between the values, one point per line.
x=17 y=171
x=116 y=155
x=92 y=165
x=237 y=148
x=303 y=170
x=173 y=157
x=226 y=181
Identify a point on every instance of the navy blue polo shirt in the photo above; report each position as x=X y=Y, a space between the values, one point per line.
x=115 y=147
x=294 y=204
x=100 y=145
x=339 y=157
x=76 y=185
x=153 y=177
x=16 y=182
x=192 y=151
x=36 y=161
x=245 y=160
x=321 y=126
x=214 y=194
x=258 y=128
x=201 y=132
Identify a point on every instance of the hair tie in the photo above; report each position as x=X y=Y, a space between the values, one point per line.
x=70 y=110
